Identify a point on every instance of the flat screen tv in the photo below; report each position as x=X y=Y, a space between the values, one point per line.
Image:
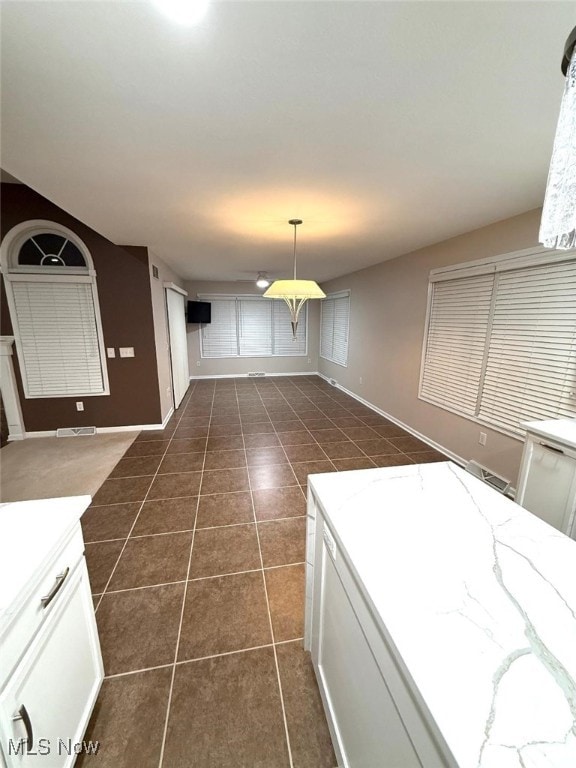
x=199 y=312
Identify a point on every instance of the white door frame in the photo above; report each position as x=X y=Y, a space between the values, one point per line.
x=177 y=343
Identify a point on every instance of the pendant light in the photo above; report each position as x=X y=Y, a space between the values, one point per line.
x=558 y=225
x=294 y=292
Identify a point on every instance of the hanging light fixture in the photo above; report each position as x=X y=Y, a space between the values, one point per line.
x=294 y=292
x=558 y=224
x=262 y=280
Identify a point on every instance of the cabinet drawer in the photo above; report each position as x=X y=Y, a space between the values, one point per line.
x=31 y=608
x=45 y=708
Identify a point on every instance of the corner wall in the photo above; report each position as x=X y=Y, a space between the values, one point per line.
x=126 y=310
x=242 y=365
x=387 y=318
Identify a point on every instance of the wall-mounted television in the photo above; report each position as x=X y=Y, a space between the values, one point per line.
x=199 y=312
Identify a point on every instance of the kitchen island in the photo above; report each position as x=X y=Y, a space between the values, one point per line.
x=441 y=618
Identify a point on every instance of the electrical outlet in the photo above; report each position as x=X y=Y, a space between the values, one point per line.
x=482 y=438
x=126 y=351
x=198 y=363
x=79 y=405
x=309 y=360
x=110 y=351
x=360 y=379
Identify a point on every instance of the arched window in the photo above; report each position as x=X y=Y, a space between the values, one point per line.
x=53 y=302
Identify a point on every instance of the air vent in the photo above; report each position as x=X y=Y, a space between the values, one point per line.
x=75 y=431
x=499 y=483
x=155 y=272
x=256 y=373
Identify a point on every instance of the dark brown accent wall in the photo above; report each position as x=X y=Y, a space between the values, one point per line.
x=126 y=309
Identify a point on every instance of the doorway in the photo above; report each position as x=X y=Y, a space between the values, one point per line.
x=176 y=312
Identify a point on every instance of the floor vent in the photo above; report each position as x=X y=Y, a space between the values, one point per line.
x=333 y=382
x=75 y=431
x=256 y=373
x=499 y=483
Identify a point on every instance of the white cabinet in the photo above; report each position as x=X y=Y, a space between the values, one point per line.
x=51 y=673
x=374 y=719
x=547 y=481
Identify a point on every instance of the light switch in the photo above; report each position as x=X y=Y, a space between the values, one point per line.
x=110 y=351
x=126 y=351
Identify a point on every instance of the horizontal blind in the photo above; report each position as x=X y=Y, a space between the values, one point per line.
x=327 y=329
x=531 y=358
x=246 y=326
x=255 y=327
x=457 y=327
x=334 y=325
x=284 y=342
x=58 y=338
x=219 y=337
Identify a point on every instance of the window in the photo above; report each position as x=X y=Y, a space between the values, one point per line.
x=334 y=323
x=251 y=326
x=500 y=342
x=53 y=302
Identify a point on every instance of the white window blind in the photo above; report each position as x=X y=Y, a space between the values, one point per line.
x=57 y=339
x=531 y=355
x=255 y=327
x=245 y=326
x=334 y=325
x=219 y=337
x=454 y=354
x=500 y=345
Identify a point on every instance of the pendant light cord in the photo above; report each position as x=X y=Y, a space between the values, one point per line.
x=295 y=227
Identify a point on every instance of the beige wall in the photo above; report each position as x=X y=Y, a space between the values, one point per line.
x=165 y=274
x=387 y=317
x=242 y=365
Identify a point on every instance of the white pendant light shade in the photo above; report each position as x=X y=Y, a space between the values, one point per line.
x=294 y=292
x=295 y=289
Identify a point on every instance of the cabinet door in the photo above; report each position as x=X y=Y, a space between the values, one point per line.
x=53 y=690
x=550 y=487
x=369 y=731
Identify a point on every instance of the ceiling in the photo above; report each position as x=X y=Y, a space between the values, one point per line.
x=385 y=126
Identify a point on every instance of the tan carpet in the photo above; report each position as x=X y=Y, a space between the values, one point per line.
x=48 y=467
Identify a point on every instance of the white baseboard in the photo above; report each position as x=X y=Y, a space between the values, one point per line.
x=109 y=430
x=436 y=446
x=246 y=376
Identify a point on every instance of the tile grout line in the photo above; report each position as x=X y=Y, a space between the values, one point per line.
x=201 y=528
x=202 y=658
x=133 y=523
x=284 y=718
x=169 y=702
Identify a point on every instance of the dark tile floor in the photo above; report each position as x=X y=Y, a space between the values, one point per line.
x=195 y=547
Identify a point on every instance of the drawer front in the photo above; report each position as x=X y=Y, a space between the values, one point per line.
x=39 y=602
x=45 y=708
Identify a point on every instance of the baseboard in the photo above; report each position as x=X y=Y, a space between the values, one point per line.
x=246 y=376
x=436 y=446
x=109 y=430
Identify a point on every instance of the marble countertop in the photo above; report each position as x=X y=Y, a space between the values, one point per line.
x=479 y=598
x=30 y=532
x=559 y=430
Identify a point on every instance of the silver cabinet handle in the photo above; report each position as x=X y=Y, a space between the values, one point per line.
x=25 y=717
x=55 y=589
x=552 y=448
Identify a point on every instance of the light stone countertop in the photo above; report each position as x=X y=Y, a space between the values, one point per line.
x=479 y=598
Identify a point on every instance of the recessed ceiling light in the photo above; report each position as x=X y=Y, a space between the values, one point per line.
x=185 y=12
x=262 y=280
